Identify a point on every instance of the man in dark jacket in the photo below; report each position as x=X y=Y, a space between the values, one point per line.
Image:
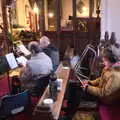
x=50 y=50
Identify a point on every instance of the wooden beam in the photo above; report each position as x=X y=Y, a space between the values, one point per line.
x=58 y=3
x=74 y=23
x=41 y=16
x=5 y=26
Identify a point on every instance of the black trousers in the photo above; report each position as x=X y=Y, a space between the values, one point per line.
x=75 y=96
x=41 y=84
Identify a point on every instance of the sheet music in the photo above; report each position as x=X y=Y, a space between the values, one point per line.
x=11 y=60
x=22 y=60
x=24 y=50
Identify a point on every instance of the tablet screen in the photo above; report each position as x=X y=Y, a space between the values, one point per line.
x=4 y=67
x=11 y=60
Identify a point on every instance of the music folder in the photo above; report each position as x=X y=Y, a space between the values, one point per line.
x=11 y=60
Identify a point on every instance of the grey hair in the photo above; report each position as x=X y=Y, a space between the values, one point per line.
x=34 y=47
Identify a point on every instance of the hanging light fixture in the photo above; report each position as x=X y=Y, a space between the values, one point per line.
x=51 y=15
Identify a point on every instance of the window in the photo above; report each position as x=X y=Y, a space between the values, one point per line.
x=50 y=15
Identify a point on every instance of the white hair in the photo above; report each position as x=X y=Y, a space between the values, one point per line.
x=44 y=41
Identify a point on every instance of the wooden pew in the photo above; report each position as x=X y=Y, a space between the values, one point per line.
x=46 y=113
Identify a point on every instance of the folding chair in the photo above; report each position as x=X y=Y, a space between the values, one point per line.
x=11 y=105
x=84 y=68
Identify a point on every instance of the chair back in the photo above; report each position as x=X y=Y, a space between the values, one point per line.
x=14 y=104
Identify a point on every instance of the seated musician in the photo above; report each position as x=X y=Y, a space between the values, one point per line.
x=35 y=75
x=51 y=50
x=107 y=87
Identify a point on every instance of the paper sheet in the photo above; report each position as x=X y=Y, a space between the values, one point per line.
x=24 y=50
x=22 y=60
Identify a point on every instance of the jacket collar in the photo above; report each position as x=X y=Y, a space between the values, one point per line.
x=117 y=64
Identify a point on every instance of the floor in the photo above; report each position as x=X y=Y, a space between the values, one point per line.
x=4 y=89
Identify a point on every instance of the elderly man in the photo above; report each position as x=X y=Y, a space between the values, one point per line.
x=50 y=50
x=36 y=73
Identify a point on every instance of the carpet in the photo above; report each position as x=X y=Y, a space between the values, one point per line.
x=84 y=116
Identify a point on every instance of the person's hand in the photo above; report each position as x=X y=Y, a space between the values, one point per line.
x=85 y=82
x=84 y=85
x=22 y=70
